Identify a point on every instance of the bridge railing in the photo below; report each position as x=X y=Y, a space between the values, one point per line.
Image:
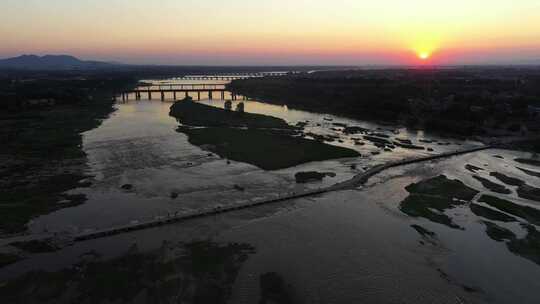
x=181 y=87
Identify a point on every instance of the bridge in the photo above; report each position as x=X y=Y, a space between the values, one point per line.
x=233 y=76
x=194 y=90
x=176 y=90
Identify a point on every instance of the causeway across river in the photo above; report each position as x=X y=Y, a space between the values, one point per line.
x=357 y=180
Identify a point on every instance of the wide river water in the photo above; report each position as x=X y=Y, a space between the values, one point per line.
x=353 y=246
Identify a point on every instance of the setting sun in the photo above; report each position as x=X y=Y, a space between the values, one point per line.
x=424 y=55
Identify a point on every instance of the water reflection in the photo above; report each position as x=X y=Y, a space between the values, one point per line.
x=138 y=146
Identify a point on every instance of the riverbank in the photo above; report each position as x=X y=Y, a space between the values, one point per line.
x=461 y=105
x=42 y=154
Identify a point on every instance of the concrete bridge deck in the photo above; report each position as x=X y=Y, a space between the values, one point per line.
x=211 y=90
x=234 y=76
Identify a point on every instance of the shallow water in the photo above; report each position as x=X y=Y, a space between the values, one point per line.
x=139 y=145
x=351 y=246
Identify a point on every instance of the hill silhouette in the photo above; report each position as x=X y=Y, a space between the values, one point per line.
x=50 y=62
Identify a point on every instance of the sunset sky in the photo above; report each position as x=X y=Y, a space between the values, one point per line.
x=275 y=32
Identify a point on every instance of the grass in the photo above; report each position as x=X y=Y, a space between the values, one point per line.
x=472 y=168
x=497 y=233
x=35 y=246
x=264 y=141
x=430 y=198
x=204 y=272
x=42 y=158
x=6 y=259
x=530 y=172
x=266 y=149
x=527 y=247
x=529 y=192
x=305 y=177
x=274 y=289
x=528 y=161
x=423 y=231
x=192 y=113
x=532 y=215
x=524 y=190
x=490 y=214
x=444 y=187
x=510 y=181
x=423 y=206
x=498 y=188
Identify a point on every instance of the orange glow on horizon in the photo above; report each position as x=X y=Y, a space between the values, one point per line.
x=284 y=32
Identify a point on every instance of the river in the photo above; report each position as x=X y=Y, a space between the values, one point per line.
x=353 y=246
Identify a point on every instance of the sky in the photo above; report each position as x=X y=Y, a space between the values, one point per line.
x=276 y=32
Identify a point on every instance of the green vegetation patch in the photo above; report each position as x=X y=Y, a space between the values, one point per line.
x=378 y=141
x=510 y=181
x=529 y=192
x=430 y=198
x=274 y=289
x=429 y=207
x=498 y=233
x=23 y=201
x=530 y=172
x=423 y=231
x=35 y=246
x=42 y=156
x=532 y=215
x=490 y=214
x=192 y=113
x=472 y=168
x=444 y=187
x=528 y=161
x=492 y=186
x=6 y=259
x=305 y=177
x=200 y=272
x=408 y=146
x=524 y=190
x=266 y=149
x=527 y=247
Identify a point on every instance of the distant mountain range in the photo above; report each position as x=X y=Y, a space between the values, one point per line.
x=51 y=62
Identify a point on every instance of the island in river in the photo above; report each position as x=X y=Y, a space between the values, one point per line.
x=264 y=141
